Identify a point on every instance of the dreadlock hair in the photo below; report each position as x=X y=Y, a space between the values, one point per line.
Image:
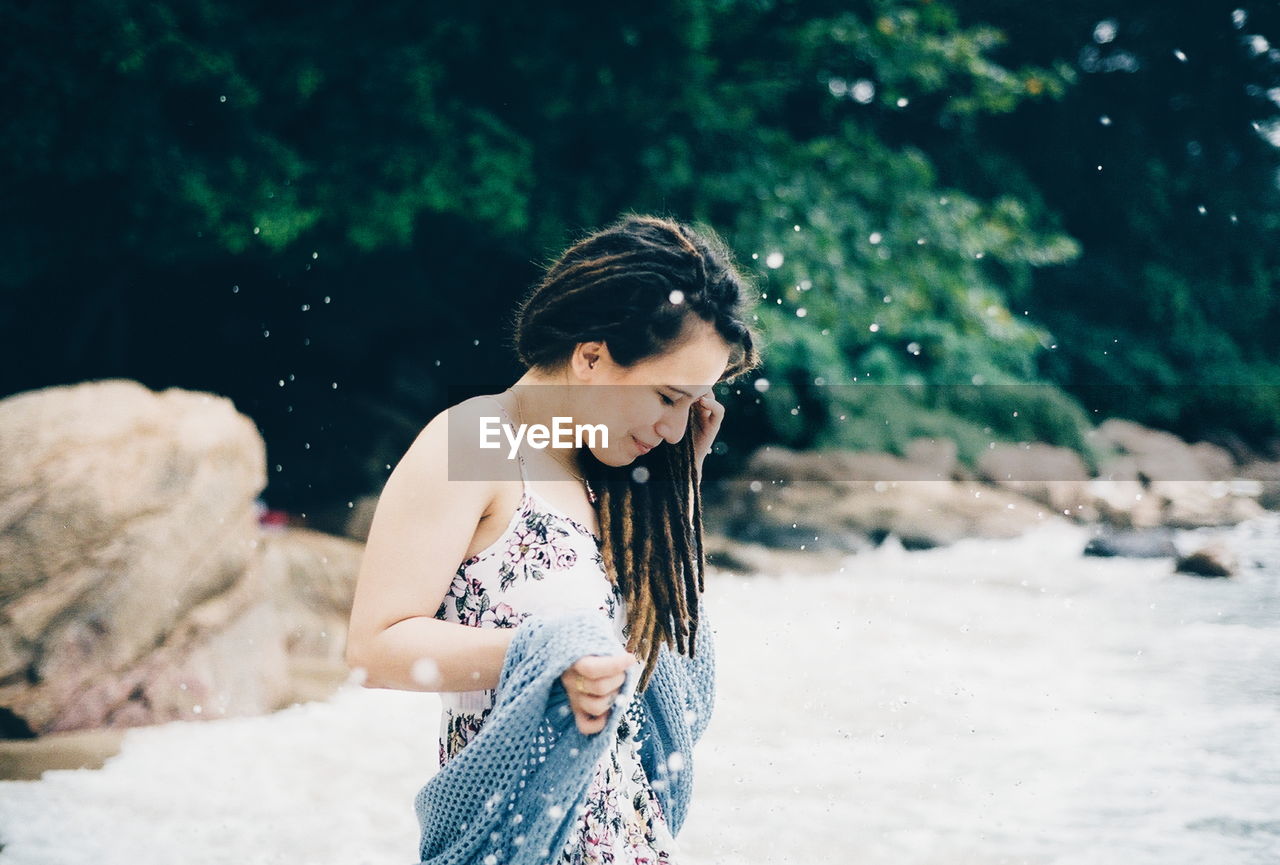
x=616 y=286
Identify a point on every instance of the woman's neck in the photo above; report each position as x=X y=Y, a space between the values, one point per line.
x=539 y=399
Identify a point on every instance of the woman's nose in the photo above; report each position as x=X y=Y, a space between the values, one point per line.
x=671 y=426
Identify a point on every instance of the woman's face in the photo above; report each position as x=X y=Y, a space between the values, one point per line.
x=650 y=402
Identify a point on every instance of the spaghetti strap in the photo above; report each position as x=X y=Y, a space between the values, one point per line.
x=519 y=456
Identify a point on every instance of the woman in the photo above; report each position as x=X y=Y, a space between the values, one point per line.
x=630 y=329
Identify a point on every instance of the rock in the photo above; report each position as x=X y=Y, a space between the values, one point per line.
x=1156 y=455
x=1212 y=560
x=1217 y=462
x=29 y=759
x=1267 y=474
x=342 y=520
x=1154 y=543
x=940 y=455
x=839 y=500
x=1125 y=503
x=361 y=518
x=311 y=581
x=131 y=587
x=835 y=466
x=1192 y=504
x=725 y=554
x=1054 y=476
x=1179 y=504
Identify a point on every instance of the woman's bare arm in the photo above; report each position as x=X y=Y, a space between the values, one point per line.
x=420 y=532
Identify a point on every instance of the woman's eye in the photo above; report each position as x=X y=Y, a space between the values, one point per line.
x=666 y=401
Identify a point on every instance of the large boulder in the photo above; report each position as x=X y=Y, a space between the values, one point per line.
x=136 y=585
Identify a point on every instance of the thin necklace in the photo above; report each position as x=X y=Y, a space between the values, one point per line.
x=591 y=494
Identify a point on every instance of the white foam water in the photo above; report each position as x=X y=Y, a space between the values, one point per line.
x=990 y=702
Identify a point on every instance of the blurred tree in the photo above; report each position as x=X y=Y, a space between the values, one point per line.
x=1163 y=162
x=321 y=211
x=884 y=289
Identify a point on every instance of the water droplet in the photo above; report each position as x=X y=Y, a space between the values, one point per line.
x=640 y=474
x=425 y=671
x=774 y=261
x=876 y=237
x=676 y=297
x=801 y=312
x=902 y=102
x=874 y=327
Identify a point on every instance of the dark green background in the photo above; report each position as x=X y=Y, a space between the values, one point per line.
x=375 y=185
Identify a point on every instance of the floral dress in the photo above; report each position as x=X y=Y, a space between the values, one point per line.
x=547 y=563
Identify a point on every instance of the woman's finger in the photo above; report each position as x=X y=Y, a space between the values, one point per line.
x=596 y=706
x=602 y=687
x=602 y=666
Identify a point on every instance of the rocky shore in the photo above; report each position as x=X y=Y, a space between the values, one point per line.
x=1149 y=484
x=140 y=585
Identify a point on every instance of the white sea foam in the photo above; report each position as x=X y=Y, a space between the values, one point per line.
x=992 y=702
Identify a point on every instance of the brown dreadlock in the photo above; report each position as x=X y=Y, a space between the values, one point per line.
x=615 y=286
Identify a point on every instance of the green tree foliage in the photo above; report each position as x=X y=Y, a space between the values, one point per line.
x=1162 y=160
x=884 y=290
x=912 y=183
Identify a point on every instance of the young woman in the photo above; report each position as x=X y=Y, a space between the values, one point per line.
x=630 y=328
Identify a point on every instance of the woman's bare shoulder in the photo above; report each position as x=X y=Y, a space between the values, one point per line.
x=449 y=446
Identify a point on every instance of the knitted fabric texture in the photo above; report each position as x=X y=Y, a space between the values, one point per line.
x=513 y=795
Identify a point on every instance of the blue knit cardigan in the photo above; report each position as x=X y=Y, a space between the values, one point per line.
x=514 y=794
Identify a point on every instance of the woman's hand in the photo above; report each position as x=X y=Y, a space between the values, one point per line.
x=593 y=684
x=706 y=414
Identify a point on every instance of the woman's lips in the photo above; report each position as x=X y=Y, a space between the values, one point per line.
x=641 y=445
